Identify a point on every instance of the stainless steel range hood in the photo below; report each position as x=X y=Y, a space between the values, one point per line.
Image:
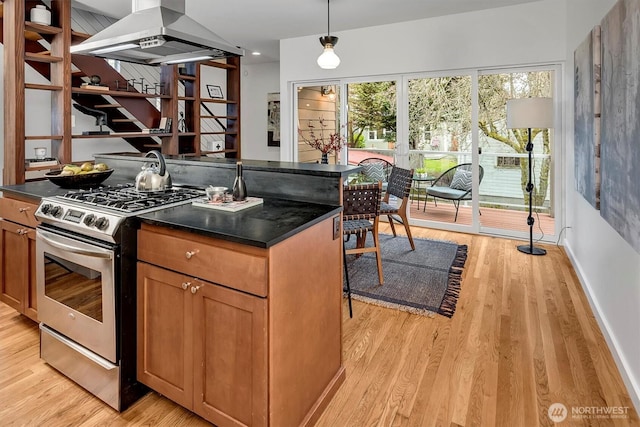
x=157 y=32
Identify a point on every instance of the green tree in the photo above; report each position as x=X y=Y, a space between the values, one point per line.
x=446 y=101
x=494 y=91
x=371 y=105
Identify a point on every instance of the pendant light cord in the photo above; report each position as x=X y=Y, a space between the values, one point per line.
x=328 y=19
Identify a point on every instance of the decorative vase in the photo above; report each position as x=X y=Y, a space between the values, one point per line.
x=325 y=159
x=41 y=15
x=239 y=187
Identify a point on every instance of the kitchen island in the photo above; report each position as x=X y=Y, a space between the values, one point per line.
x=239 y=314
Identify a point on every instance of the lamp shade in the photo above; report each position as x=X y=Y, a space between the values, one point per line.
x=530 y=113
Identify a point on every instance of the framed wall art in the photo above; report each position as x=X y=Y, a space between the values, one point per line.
x=215 y=92
x=273 y=119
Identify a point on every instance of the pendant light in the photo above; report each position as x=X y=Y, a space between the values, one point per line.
x=328 y=59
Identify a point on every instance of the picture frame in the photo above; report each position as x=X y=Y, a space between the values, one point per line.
x=273 y=119
x=215 y=91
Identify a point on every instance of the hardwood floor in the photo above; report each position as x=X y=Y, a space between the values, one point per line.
x=523 y=337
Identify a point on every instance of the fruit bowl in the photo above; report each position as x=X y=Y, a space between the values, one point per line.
x=85 y=180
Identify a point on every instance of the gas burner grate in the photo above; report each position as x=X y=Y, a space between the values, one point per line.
x=125 y=198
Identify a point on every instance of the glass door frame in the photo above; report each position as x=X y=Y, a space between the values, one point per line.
x=557 y=153
x=402 y=131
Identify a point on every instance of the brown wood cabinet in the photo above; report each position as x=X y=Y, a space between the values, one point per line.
x=17 y=256
x=203 y=346
x=242 y=336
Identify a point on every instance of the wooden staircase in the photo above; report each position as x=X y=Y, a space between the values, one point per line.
x=138 y=107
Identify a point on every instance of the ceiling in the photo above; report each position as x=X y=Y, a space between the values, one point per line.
x=258 y=25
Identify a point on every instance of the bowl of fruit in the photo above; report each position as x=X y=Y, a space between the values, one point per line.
x=83 y=176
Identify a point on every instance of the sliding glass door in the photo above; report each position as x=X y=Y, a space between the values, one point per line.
x=470 y=171
x=440 y=140
x=504 y=159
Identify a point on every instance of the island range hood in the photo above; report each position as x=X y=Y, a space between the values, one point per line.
x=157 y=32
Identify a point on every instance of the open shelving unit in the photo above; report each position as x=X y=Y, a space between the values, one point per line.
x=22 y=47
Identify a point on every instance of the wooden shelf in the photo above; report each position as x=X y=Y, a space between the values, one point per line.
x=43 y=168
x=219 y=133
x=124 y=120
x=220 y=65
x=181 y=134
x=220 y=117
x=107 y=106
x=219 y=151
x=77 y=36
x=218 y=101
x=42 y=29
x=122 y=135
x=186 y=77
x=115 y=93
x=41 y=86
x=42 y=137
x=41 y=57
x=186 y=98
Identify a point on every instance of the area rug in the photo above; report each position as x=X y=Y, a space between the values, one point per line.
x=424 y=281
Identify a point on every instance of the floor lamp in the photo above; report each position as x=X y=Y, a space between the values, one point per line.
x=530 y=113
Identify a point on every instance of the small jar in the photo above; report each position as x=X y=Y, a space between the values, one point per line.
x=41 y=15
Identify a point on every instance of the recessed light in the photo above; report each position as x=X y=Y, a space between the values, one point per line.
x=255 y=53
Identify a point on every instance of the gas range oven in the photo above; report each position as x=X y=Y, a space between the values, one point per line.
x=86 y=285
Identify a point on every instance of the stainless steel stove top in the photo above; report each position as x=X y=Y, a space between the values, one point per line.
x=99 y=212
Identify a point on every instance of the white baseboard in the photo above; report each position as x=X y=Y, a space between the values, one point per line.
x=621 y=362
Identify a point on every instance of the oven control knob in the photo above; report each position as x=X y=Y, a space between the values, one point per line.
x=89 y=220
x=102 y=223
x=45 y=208
x=56 y=211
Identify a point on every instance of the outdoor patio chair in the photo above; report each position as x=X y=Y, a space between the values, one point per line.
x=399 y=186
x=454 y=185
x=361 y=214
x=375 y=169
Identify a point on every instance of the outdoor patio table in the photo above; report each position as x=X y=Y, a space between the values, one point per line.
x=417 y=186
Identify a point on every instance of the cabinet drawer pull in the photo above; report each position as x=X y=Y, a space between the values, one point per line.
x=185 y=285
x=194 y=289
x=22 y=231
x=189 y=254
x=23 y=209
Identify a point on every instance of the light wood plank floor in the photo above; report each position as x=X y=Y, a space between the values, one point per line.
x=523 y=337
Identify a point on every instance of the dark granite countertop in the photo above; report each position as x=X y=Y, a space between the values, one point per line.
x=262 y=226
x=331 y=170
x=38 y=189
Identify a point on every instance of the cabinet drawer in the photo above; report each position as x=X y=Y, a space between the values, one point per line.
x=18 y=211
x=228 y=266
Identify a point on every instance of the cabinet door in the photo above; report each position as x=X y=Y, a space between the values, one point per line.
x=30 y=297
x=14 y=264
x=230 y=356
x=165 y=339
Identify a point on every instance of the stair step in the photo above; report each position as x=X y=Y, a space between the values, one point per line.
x=77 y=36
x=107 y=106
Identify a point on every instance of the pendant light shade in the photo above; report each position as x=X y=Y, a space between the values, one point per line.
x=328 y=59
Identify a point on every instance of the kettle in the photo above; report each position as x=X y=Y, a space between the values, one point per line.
x=152 y=179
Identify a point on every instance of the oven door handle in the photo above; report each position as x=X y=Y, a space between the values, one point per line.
x=50 y=239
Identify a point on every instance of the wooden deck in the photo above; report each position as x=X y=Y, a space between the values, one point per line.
x=490 y=217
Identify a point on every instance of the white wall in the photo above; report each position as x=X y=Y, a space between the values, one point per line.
x=608 y=266
x=256 y=82
x=506 y=36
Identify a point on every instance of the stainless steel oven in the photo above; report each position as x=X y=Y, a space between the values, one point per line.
x=76 y=292
x=86 y=285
